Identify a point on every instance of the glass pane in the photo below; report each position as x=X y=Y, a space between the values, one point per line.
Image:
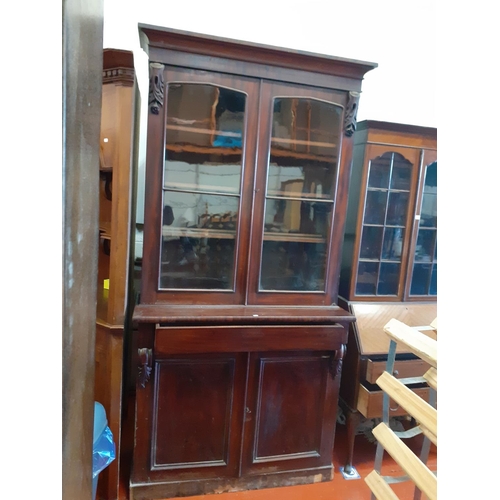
x=380 y=171
x=203 y=150
x=376 y=202
x=426 y=242
x=297 y=218
x=295 y=265
x=388 y=279
x=366 y=283
x=304 y=148
x=428 y=214
x=302 y=173
x=393 y=243
x=397 y=209
x=198 y=241
x=294 y=249
x=433 y=287
x=401 y=173
x=371 y=242
x=421 y=279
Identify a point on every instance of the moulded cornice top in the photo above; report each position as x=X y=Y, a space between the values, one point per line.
x=167 y=38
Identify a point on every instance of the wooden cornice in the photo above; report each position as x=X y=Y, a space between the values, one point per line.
x=118 y=67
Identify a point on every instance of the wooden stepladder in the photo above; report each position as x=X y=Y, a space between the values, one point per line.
x=425 y=415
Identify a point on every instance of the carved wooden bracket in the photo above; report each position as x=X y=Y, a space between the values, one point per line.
x=336 y=362
x=145 y=365
x=351 y=112
x=156 y=87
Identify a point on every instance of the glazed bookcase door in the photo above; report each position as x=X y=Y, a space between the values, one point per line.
x=298 y=214
x=385 y=222
x=200 y=151
x=422 y=268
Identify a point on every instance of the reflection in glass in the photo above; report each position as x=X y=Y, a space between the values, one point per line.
x=401 y=174
x=376 y=205
x=384 y=225
x=198 y=240
x=397 y=209
x=424 y=276
x=366 y=283
x=388 y=279
x=428 y=214
x=380 y=171
x=426 y=242
x=202 y=178
x=302 y=172
x=203 y=150
x=371 y=242
x=421 y=279
x=393 y=243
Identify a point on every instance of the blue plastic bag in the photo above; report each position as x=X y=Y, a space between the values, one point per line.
x=104 y=452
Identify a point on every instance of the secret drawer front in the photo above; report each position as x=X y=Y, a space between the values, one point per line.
x=370 y=402
x=402 y=369
x=205 y=339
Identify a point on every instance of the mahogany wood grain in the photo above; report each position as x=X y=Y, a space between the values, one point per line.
x=290 y=412
x=158 y=41
x=172 y=340
x=174 y=315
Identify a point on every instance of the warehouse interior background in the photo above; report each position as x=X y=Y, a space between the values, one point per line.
x=436 y=68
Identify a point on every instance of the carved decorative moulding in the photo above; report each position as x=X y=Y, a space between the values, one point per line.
x=125 y=76
x=145 y=365
x=351 y=113
x=156 y=87
x=336 y=362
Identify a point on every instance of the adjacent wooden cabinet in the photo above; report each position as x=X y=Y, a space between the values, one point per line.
x=241 y=339
x=390 y=244
x=115 y=222
x=389 y=267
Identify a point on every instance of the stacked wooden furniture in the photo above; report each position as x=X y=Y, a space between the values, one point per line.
x=240 y=337
x=424 y=414
x=389 y=260
x=115 y=221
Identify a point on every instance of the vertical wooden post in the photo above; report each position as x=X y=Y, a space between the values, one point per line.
x=82 y=79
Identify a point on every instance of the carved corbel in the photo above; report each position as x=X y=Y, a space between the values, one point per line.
x=145 y=365
x=336 y=362
x=156 y=87
x=351 y=112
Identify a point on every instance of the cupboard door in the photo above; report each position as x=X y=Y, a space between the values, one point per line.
x=290 y=412
x=385 y=221
x=422 y=269
x=299 y=211
x=193 y=426
x=200 y=172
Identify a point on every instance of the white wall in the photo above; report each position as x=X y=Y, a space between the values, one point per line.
x=398 y=35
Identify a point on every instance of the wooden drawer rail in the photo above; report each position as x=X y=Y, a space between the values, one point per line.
x=425 y=414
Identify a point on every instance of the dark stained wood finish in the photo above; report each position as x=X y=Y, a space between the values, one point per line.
x=156 y=313
x=244 y=385
x=259 y=60
x=81 y=104
x=290 y=412
x=248 y=338
x=154 y=179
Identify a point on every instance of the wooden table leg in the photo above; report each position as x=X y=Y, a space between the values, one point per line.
x=353 y=418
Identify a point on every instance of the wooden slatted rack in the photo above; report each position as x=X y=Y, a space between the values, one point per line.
x=425 y=414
